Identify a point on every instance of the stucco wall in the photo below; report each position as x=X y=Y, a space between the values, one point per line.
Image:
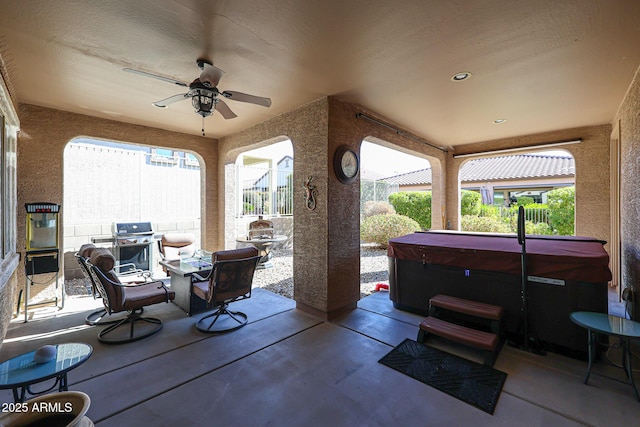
x=44 y=133
x=629 y=119
x=592 y=174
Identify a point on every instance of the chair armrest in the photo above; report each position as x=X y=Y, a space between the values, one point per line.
x=135 y=270
x=201 y=278
x=145 y=275
x=122 y=285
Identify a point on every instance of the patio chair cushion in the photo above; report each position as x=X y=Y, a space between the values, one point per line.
x=173 y=244
x=136 y=297
x=201 y=289
x=240 y=253
x=86 y=250
x=103 y=259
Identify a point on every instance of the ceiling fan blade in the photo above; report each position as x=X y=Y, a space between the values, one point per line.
x=170 y=100
x=244 y=97
x=224 y=109
x=211 y=74
x=155 y=76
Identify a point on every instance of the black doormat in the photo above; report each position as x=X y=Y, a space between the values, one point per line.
x=471 y=382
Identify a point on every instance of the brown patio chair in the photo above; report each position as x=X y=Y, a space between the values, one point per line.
x=230 y=280
x=171 y=245
x=131 y=276
x=119 y=297
x=82 y=256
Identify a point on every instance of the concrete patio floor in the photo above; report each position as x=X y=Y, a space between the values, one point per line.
x=287 y=368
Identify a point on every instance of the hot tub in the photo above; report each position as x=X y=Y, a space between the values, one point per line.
x=565 y=274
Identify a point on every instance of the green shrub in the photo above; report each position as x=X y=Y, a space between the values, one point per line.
x=525 y=201
x=414 y=204
x=470 y=202
x=540 y=228
x=561 y=203
x=247 y=208
x=536 y=206
x=484 y=224
x=490 y=211
x=380 y=228
x=377 y=208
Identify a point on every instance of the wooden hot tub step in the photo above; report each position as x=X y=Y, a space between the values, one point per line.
x=491 y=313
x=472 y=308
x=486 y=341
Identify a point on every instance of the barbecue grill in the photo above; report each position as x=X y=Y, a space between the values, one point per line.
x=133 y=245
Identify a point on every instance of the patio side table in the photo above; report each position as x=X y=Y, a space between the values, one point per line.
x=600 y=323
x=21 y=372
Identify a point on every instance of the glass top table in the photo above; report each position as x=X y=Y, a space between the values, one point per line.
x=182 y=271
x=21 y=372
x=188 y=266
x=601 y=323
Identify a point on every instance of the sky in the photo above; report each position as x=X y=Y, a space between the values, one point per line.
x=388 y=162
x=382 y=161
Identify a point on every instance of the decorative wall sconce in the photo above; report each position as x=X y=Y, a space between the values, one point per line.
x=310 y=193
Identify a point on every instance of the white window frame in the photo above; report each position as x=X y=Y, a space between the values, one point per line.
x=9 y=125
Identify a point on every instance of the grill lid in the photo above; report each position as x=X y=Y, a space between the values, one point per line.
x=129 y=228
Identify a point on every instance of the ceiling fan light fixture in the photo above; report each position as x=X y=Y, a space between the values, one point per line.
x=463 y=75
x=203 y=92
x=203 y=102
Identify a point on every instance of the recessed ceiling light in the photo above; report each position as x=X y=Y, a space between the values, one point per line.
x=458 y=77
x=499 y=121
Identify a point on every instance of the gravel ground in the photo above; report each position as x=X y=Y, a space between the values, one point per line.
x=279 y=279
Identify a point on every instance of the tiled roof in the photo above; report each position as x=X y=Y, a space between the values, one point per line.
x=518 y=166
x=422 y=176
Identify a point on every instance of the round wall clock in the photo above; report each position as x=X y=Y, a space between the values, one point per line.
x=346 y=164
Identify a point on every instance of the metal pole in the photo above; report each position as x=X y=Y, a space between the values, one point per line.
x=523 y=258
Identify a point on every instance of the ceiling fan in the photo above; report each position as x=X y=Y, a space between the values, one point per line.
x=204 y=93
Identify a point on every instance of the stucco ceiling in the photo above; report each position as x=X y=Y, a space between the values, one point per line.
x=540 y=64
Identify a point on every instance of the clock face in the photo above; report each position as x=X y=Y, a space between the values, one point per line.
x=346 y=164
x=349 y=164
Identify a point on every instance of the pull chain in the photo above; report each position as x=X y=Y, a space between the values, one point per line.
x=203 y=126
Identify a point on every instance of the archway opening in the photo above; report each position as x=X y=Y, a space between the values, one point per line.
x=395 y=199
x=543 y=182
x=264 y=191
x=109 y=182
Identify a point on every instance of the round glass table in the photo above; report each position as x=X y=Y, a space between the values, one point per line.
x=21 y=372
x=601 y=323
